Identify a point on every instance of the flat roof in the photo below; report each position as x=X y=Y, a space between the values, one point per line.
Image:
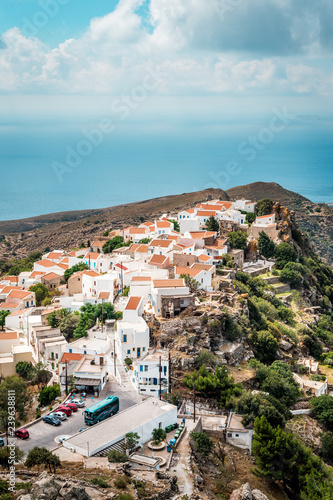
x=99 y=435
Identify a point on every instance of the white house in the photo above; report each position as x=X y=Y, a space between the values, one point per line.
x=161 y=247
x=151 y=372
x=97 y=262
x=265 y=220
x=169 y=297
x=48 y=266
x=88 y=372
x=96 y=288
x=132 y=332
x=246 y=205
x=163 y=227
x=315 y=388
x=237 y=434
x=202 y=273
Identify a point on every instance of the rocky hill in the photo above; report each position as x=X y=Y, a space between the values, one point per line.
x=69 y=229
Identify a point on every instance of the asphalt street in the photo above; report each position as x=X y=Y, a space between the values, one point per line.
x=43 y=434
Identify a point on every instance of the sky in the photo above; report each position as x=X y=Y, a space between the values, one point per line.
x=218 y=69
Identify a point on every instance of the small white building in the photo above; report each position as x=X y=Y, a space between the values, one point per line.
x=141 y=418
x=132 y=332
x=169 y=297
x=265 y=220
x=151 y=371
x=237 y=434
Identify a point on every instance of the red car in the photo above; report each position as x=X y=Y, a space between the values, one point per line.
x=72 y=406
x=65 y=409
x=22 y=433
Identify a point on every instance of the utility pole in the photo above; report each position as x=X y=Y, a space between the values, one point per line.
x=194 y=403
x=114 y=358
x=160 y=370
x=169 y=368
x=66 y=363
x=122 y=284
x=102 y=313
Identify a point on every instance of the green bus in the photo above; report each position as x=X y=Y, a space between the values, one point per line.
x=102 y=410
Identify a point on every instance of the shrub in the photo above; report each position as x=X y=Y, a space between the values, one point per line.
x=116 y=456
x=264 y=207
x=284 y=253
x=327 y=447
x=120 y=483
x=323 y=409
x=158 y=435
x=202 y=443
x=98 y=481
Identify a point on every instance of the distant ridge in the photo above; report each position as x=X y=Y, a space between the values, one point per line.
x=68 y=230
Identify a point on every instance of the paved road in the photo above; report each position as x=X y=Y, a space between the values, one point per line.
x=43 y=434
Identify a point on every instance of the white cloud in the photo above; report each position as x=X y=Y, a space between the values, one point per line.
x=253 y=48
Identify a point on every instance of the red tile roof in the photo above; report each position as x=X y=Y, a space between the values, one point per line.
x=161 y=243
x=92 y=255
x=163 y=224
x=19 y=294
x=8 y=335
x=104 y=295
x=174 y=283
x=71 y=356
x=141 y=278
x=157 y=259
x=55 y=255
x=46 y=263
x=51 y=276
x=133 y=303
x=137 y=230
x=204 y=258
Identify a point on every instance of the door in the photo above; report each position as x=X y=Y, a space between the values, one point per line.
x=139 y=352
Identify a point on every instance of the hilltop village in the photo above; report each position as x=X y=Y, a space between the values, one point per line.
x=168 y=357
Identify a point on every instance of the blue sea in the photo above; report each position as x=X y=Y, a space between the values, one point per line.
x=148 y=158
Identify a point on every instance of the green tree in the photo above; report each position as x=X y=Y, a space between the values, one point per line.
x=41 y=292
x=81 y=266
x=323 y=409
x=110 y=245
x=69 y=324
x=266 y=346
x=3 y=316
x=144 y=241
x=116 y=456
x=201 y=443
x=175 y=223
x=132 y=440
x=19 y=388
x=41 y=374
x=212 y=224
x=284 y=253
x=158 y=435
x=6 y=454
x=251 y=406
x=90 y=313
x=25 y=369
x=264 y=207
x=327 y=447
x=280 y=456
x=266 y=246
x=238 y=240
x=216 y=384
x=250 y=217
x=48 y=394
x=191 y=282
x=41 y=456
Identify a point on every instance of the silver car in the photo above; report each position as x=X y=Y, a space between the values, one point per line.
x=80 y=402
x=60 y=415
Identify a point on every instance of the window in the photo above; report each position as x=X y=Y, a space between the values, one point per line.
x=125 y=338
x=133 y=349
x=56 y=355
x=84 y=352
x=143 y=349
x=237 y=435
x=70 y=350
x=229 y=435
x=146 y=368
x=128 y=351
x=141 y=368
x=79 y=279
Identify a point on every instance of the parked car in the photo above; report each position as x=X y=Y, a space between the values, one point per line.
x=80 y=402
x=60 y=415
x=2 y=443
x=51 y=420
x=72 y=406
x=22 y=433
x=65 y=409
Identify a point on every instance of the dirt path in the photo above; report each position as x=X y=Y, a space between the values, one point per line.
x=181 y=467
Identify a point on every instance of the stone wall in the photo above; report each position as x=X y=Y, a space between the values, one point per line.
x=183 y=260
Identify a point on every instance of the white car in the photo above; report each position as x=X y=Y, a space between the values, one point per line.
x=80 y=402
x=60 y=415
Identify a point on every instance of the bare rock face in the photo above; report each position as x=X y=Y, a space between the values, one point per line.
x=48 y=487
x=245 y=493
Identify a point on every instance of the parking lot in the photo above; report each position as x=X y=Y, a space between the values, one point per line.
x=43 y=434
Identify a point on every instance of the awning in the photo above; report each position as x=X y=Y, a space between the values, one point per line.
x=87 y=381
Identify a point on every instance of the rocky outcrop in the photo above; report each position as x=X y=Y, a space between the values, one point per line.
x=245 y=493
x=48 y=487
